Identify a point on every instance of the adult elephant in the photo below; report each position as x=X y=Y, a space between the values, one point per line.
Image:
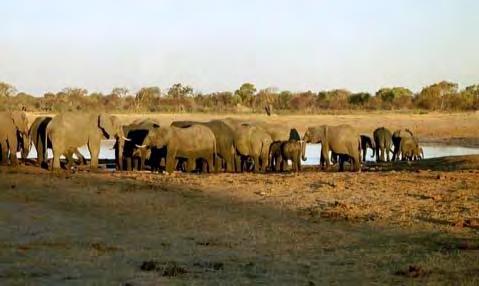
x=252 y=142
x=342 y=140
x=13 y=136
x=402 y=137
x=69 y=131
x=367 y=142
x=383 y=141
x=38 y=136
x=224 y=141
x=136 y=132
x=190 y=143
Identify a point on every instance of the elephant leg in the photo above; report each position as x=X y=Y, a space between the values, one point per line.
x=190 y=165
x=387 y=153
x=13 y=154
x=170 y=163
x=135 y=163
x=129 y=164
x=142 y=162
x=230 y=165
x=325 y=157
x=70 y=161
x=341 y=163
x=256 y=163
x=239 y=163
x=211 y=163
x=40 y=152
x=364 y=154
x=56 y=159
x=4 y=152
x=94 y=153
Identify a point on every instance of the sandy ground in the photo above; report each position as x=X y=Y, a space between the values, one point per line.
x=390 y=224
x=450 y=128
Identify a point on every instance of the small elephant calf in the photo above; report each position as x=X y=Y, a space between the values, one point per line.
x=282 y=151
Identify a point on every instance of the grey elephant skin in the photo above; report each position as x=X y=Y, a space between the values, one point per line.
x=224 y=142
x=342 y=140
x=13 y=136
x=383 y=140
x=190 y=143
x=69 y=131
x=410 y=149
x=404 y=143
x=277 y=132
x=282 y=151
x=254 y=142
x=136 y=132
x=367 y=142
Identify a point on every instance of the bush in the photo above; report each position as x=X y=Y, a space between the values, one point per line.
x=179 y=98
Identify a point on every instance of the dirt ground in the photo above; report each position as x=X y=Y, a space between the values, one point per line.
x=447 y=128
x=390 y=224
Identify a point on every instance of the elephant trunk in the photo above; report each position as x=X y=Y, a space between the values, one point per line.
x=303 y=150
x=26 y=144
x=120 y=144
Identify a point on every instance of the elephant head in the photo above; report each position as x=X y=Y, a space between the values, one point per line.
x=316 y=134
x=112 y=129
x=158 y=137
x=20 y=121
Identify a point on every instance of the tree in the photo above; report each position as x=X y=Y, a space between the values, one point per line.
x=333 y=99
x=7 y=90
x=246 y=93
x=473 y=93
x=178 y=91
x=434 y=96
x=398 y=97
x=120 y=92
x=265 y=98
x=284 y=99
x=359 y=99
x=146 y=96
x=75 y=92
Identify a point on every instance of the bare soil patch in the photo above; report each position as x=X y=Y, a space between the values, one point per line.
x=382 y=226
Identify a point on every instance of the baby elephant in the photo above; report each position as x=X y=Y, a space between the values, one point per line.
x=283 y=151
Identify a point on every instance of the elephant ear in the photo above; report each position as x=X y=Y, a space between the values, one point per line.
x=20 y=121
x=106 y=124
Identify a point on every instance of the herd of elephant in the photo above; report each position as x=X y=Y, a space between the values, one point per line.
x=230 y=145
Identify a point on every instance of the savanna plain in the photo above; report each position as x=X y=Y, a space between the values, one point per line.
x=403 y=223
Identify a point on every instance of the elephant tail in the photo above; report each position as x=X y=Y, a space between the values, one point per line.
x=45 y=147
x=214 y=153
x=360 y=148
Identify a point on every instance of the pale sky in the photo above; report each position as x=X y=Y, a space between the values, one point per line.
x=217 y=45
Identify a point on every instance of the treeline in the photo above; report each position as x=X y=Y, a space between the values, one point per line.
x=442 y=96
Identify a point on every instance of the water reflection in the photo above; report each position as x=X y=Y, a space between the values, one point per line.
x=313 y=152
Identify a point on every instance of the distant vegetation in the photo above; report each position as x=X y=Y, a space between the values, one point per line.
x=442 y=96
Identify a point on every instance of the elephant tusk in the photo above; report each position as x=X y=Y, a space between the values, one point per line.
x=140 y=146
x=126 y=139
